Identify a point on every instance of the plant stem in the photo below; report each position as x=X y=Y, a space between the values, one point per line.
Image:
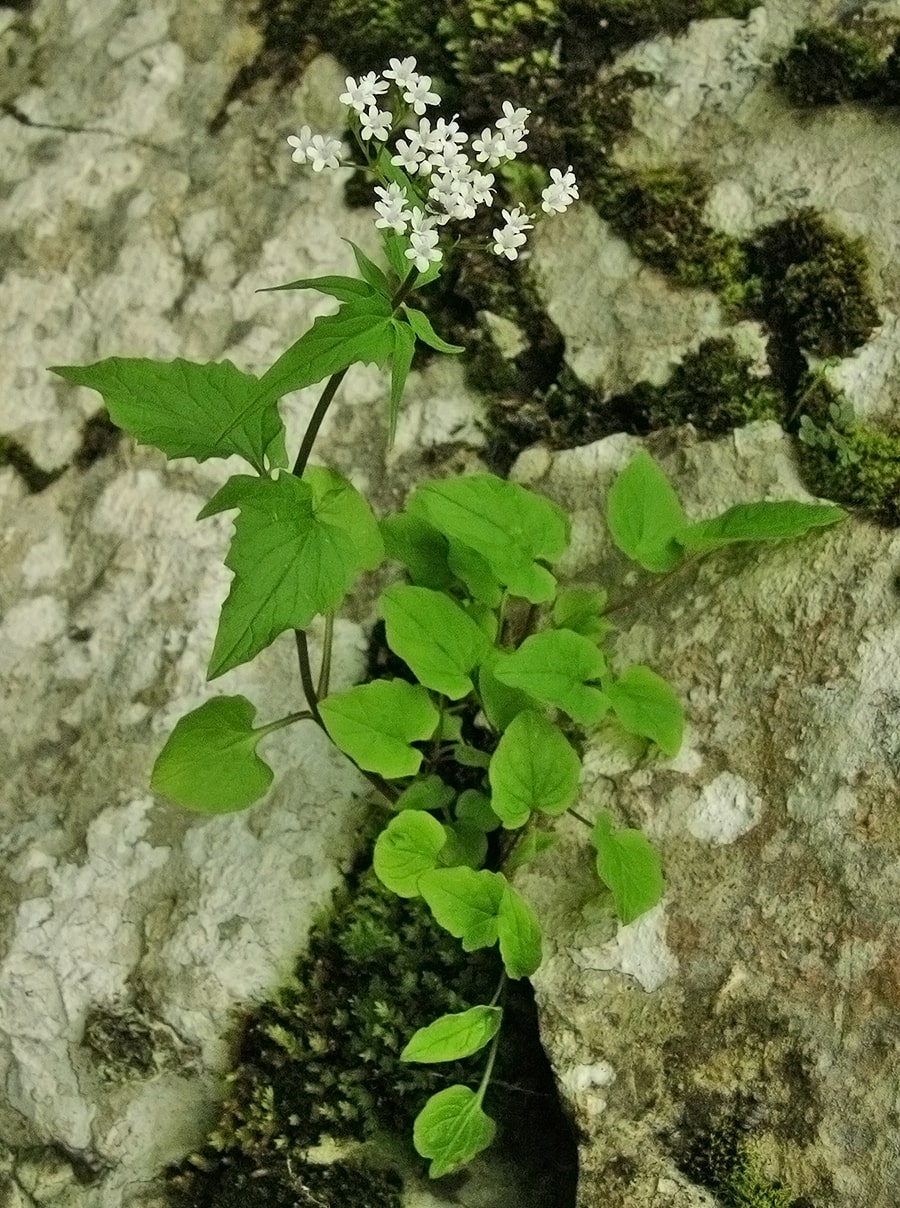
x=488 y=1070
x=303 y=715
x=581 y=818
x=641 y=593
x=327 y=645
x=315 y=423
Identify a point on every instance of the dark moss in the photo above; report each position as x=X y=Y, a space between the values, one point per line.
x=99 y=438
x=725 y=1162
x=827 y=64
x=660 y=211
x=816 y=283
x=613 y=25
x=291 y=1183
x=714 y=388
x=859 y=466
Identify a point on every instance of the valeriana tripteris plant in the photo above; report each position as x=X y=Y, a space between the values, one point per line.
x=503 y=661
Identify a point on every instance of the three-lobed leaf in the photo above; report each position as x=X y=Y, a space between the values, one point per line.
x=629 y=867
x=179 y=406
x=645 y=704
x=556 y=666
x=406 y=848
x=519 y=933
x=775 y=520
x=452 y=1129
x=209 y=762
x=375 y=724
x=438 y=640
x=453 y=1037
x=533 y=768
x=465 y=902
x=644 y=514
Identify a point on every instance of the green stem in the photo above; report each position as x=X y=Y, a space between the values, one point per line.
x=488 y=1070
x=641 y=593
x=315 y=423
x=501 y=985
x=303 y=715
x=581 y=818
x=327 y=645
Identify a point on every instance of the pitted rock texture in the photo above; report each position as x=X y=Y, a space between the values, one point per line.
x=767 y=974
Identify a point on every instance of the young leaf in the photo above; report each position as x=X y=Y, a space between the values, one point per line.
x=345 y=289
x=762 y=521
x=500 y=702
x=465 y=903
x=435 y=637
x=375 y=723
x=533 y=768
x=466 y=845
x=297 y=548
x=509 y=526
x=371 y=273
x=179 y=407
x=450 y=729
x=645 y=704
x=421 y=325
x=629 y=867
x=452 y=1129
x=644 y=514
x=426 y=793
x=475 y=807
x=209 y=762
x=528 y=849
x=555 y=666
x=420 y=548
x=405 y=849
x=520 y=935
x=401 y=359
x=470 y=757
x=453 y=1037
x=581 y=611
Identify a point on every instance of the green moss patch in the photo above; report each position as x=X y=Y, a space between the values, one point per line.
x=828 y=64
x=726 y=1162
x=857 y=465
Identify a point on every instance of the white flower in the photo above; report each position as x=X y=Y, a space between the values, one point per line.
x=324 y=152
x=480 y=186
x=375 y=122
x=507 y=242
x=517 y=219
x=424 y=250
x=408 y=156
x=450 y=158
x=402 y=72
x=301 y=144
x=449 y=132
x=560 y=194
x=491 y=147
x=513 y=119
x=418 y=94
x=360 y=96
x=392 y=208
x=514 y=143
x=420 y=221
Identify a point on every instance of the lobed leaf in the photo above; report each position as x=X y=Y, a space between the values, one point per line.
x=375 y=724
x=421 y=325
x=555 y=667
x=452 y=1129
x=345 y=289
x=453 y=1037
x=533 y=768
x=629 y=867
x=438 y=640
x=644 y=514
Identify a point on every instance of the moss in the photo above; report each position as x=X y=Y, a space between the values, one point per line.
x=816 y=283
x=660 y=211
x=714 y=388
x=622 y=23
x=292 y=1183
x=858 y=466
x=726 y=1162
x=323 y=1058
x=827 y=64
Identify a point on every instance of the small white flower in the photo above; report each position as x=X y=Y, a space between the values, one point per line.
x=507 y=241
x=408 y=157
x=301 y=144
x=450 y=158
x=514 y=143
x=420 y=221
x=324 y=152
x=392 y=208
x=560 y=194
x=418 y=94
x=375 y=122
x=517 y=219
x=424 y=249
x=360 y=96
x=513 y=119
x=490 y=148
x=449 y=132
x=402 y=72
x=480 y=185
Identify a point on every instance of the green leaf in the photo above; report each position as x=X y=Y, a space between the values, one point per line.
x=375 y=723
x=509 y=526
x=426 y=793
x=528 y=849
x=435 y=637
x=500 y=702
x=475 y=574
x=453 y=1037
x=405 y=849
x=629 y=867
x=421 y=325
x=645 y=704
x=581 y=610
x=644 y=514
x=763 y=521
x=419 y=547
x=370 y=271
x=401 y=359
x=465 y=903
x=466 y=844
x=296 y=550
x=470 y=757
x=475 y=807
x=449 y=729
x=520 y=935
x=345 y=289
x=209 y=762
x=554 y=666
x=179 y=407
x=452 y=1129
x=533 y=768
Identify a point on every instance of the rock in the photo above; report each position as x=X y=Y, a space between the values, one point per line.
x=767 y=972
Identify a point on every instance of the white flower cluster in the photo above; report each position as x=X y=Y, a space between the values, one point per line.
x=456 y=186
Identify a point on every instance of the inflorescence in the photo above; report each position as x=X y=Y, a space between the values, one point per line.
x=449 y=185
